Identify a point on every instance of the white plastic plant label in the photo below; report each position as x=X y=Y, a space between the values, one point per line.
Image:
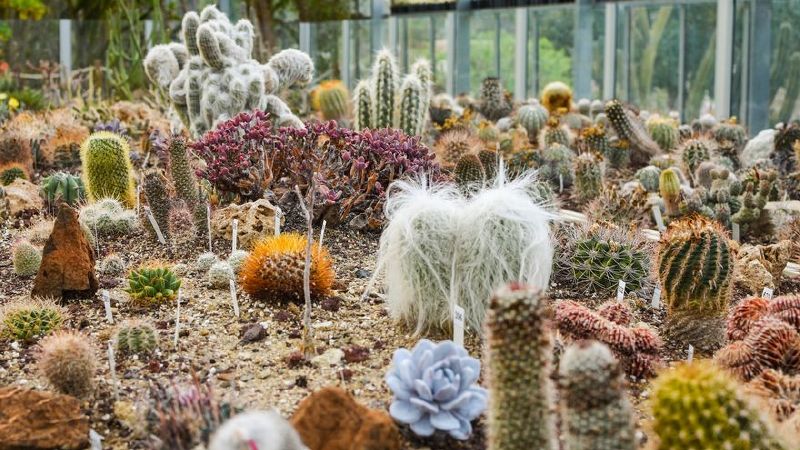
x=278 y=214
x=234 y=301
x=560 y=183
x=235 y=235
x=736 y=232
x=208 y=225
x=178 y=319
x=138 y=200
x=112 y=367
x=656 y=301
x=458 y=325
x=154 y=224
x=767 y=293
x=107 y=306
x=659 y=220
x=322 y=232
x=621 y=291
x=690 y=353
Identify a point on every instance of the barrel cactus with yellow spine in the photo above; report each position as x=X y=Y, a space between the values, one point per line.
x=107 y=168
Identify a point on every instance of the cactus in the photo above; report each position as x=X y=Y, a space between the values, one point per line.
x=112 y=265
x=520 y=394
x=219 y=275
x=62 y=187
x=753 y=217
x=669 y=186
x=152 y=284
x=362 y=105
x=205 y=261
x=469 y=174
x=334 y=100
x=155 y=191
x=631 y=133
x=730 y=131
x=411 y=114
x=693 y=153
x=136 y=337
x=556 y=96
x=384 y=87
x=598 y=414
x=256 y=430
x=553 y=161
x=781 y=392
x=10 y=173
x=274 y=268
x=771 y=343
x=107 y=168
x=649 y=177
x=533 y=118
x=618 y=119
x=182 y=229
x=698 y=406
x=25 y=319
x=588 y=176
x=237 y=259
x=554 y=133
x=664 y=132
x=26 y=258
x=493 y=103
x=489 y=163
x=67 y=361
x=108 y=218
x=627 y=208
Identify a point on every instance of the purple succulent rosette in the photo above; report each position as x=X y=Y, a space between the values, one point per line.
x=434 y=389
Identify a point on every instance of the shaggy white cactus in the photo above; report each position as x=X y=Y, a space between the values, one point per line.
x=212 y=76
x=256 y=429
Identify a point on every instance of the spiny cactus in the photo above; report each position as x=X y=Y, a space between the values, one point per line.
x=256 y=430
x=219 y=275
x=751 y=310
x=152 y=284
x=669 y=185
x=205 y=261
x=697 y=405
x=490 y=163
x=731 y=132
x=237 y=259
x=108 y=217
x=556 y=96
x=553 y=161
x=384 y=87
x=136 y=337
x=619 y=120
x=554 y=133
x=112 y=265
x=185 y=182
x=182 y=229
x=694 y=152
x=362 y=105
x=649 y=177
x=469 y=174
x=533 y=118
x=274 y=268
x=778 y=390
x=588 y=176
x=493 y=103
x=520 y=394
x=664 y=132
x=26 y=258
x=67 y=361
x=10 y=173
x=620 y=207
x=753 y=217
x=155 y=191
x=771 y=343
x=24 y=319
x=411 y=114
x=598 y=414
x=107 y=168
x=631 y=133
x=62 y=187
x=334 y=100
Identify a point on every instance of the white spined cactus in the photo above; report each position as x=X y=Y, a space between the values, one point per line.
x=256 y=429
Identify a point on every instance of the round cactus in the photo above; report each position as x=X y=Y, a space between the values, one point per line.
x=649 y=177
x=694 y=152
x=454 y=145
x=237 y=258
x=205 y=261
x=588 y=176
x=220 y=274
x=533 y=118
x=26 y=259
x=731 y=132
x=107 y=168
x=152 y=284
x=10 y=173
x=556 y=96
x=493 y=103
x=334 y=99
x=554 y=133
x=112 y=265
x=63 y=187
x=67 y=361
x=664 y=132
x=25 y=319
x=136 y=337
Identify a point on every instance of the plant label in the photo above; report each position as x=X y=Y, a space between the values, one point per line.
x=234 y=301
x=767 y=293
x=208 y=224
x=178 y=319
x=736 y=232
x=278 y=214
x=112 y=367
x=154 y=224
x=621 y=291
x=690 y=353
x=322 y=232
x=560 y=183
x=235 y=234
x=458 y=325
x=656 y=302
x=138 y=201
x=659 y=220
x=96 y=240
x=107 y=305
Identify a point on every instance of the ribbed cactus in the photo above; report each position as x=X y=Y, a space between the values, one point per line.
x=412 y=96
x=588 y=176
x=664 y=131
x=334 y=100
x=155 y=191
x=107 y=168
x=26 y=258
x=186 y=186
x=136 y=337
x=493 y=103
x=597 y=412
x=553 y=161
x=554 y=133
x=490 y=163
x=153 y=284
x=362 y=103
x=649 y=177
x=422 y=70
x=694 y=152
x=669 y=185
x=67 y=360
x=384 y=87
x=453 y=145
x=698 y=406
x=556 y=96
x=24 y=319
x=533 y=118
x=519 y=355
x=469 y=174
x=730 y=131
x=619 y=120
x=62 y=187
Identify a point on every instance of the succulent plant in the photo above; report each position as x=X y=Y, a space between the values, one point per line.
x=664 y=132
x=205 y=261
x=68 y=362
x=434 y=389
x=620 y=206
x=181 y=225
x=469 y=174
x=108 y=217
x=649 y=177
x=185 y=182
x=493 y=103
x=598 y=414
x=693 y=153
x=155 y=191
x=256 y=429
x=26 y=258
x=730 y=131
x=453 y=145
x=153 y=284
x=753 y=218
x=742 y=317
x=588 y=176
x=136 y=337
x=631 y=133
x=533 y=118
x=333 y=99
x=10 y=173
x=107 y=168
x=112 y=265
x=362 y=106
x=780 y=391
x=236 y=259
x=219 y=275
x=24 y=319
x=556 y=96
x=274 y=268
x=554 y=133
x=62 y=186
x=555 y=164
x=519 y=394
x=669 y=185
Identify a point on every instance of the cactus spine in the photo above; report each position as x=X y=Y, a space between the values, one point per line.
x=588 y=176
x=598 y=414
x=62 y=187
x=519 y=353
x=136 y=337
x=185 y=182
x=107 y=168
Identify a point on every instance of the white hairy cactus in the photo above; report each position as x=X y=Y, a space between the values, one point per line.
x=256 y=429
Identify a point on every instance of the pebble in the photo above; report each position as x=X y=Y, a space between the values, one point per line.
x=331 y=357
x=323 y=325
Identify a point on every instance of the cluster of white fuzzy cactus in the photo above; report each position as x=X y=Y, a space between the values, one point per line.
x=211 y=76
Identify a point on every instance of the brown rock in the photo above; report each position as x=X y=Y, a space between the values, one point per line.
x=256 y=221
x=67 y=269
x=331 y=419
x=41 y=420
x=19 y=197
x=760 y=266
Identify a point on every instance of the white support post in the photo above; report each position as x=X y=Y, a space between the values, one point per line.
x=346 y=58
x=305 y=38
x=610 y=52
x=376 y=25
x=521 y=54
x=394 y=32
x=450 y=32
x=724 y=58
x=225 y=7
x=582 y=51
x=65 y=48
x=148 y=32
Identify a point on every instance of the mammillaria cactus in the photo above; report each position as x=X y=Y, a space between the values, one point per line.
x=219 y=275
x=683 y=400
x=107 y=168
x=26 y=258
x=136 y=337
x=24 y=319
x=67 y=361
x=493 y=103
x=62 y=187
x=108 y=217
x=257 y=430
x=155 y=190
x=533 y=118
x=153 y=284
x=637 y=347
x=212 y=76
x=112 y=265
x=556 y=96
x=588 y=176
x=434 y=389
x=237 y=259
x=205 y=261
x=182 y=229
x=649 y=177
x=598 y=414
x=274 y=268
x=469 y=174
x=333 y=99
x=520 y=394
x=669 y=185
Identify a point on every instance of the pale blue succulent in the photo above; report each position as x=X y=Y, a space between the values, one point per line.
x=434 y=389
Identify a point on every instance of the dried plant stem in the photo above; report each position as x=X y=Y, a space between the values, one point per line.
x=308 y=343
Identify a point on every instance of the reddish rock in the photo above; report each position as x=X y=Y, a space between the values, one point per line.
x=67 y=269
x=331 y=419
x=41 y=420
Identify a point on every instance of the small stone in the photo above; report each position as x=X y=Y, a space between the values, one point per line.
x=331 y=357
x=363 y=273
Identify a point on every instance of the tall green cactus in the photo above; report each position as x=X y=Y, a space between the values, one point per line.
x=185 y=182
x=107 y=168
x=598 y=414
x=155 y=192
x=333 y=100
x=384 y=87
x=411 y=97
x=588 y=176
x=362 y=98
x=619 y=120
x=519 y=354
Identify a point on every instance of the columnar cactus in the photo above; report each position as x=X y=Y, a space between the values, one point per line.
x=697 y=405
x=493 y=103
x=362 y=105
x=155 y=192
x=469 y=173
x=384 y=89
x=520 y=394
x=412 y=96
x=26 y=258
x=588 y=176
x=669 y=186
x=136 y=337
x=533 y=118
x=334 y=100
x=62 y=187
x=67 y=361
x=185 y=182
x=618 y=119
x=598 y=414
x=107 y=168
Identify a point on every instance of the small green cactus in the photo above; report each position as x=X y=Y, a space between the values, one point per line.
x=333 y=100
x=362 y=106
x=493 y=104
x=411 y=113
x=588 y=176
x=107 y=168
x=669 y=186
x=155 y=192
x=9 y=174
x=554 y=161
x=220 y=274
x=153 y=284
x=136 y=337
x=68 y=362
x=108 y=218
x=26 y=258
x=533 y=118
x=237 y=258
x=384 y=87
x=694 y=152
x=649 y=176
x=554 y=133
x=25 y=319
x=62 y=186
x=520 y=394
x=664 y=132
x=469 y=174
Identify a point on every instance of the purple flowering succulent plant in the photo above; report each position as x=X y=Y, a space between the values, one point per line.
x=435 y=388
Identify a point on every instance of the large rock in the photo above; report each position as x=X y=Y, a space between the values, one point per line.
x=256 y=220
x=67 y=269
x=41 y=420
x=20 y=197
x=331 y=419
x=760 y=266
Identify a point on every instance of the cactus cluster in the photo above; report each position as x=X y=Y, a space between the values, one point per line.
x=753 y=218
x=24 y=319
x=588 y=176
x=693 y=153
x=68 y=363
x=108 y=217
x=237 y=258
x=493 y=103
x=152 y=284
x=719 y=201
x=64 y=187
x=107 y=168
x=211 y=76
x=205 y=261
x=25 y=258
x=649 y=177
x=135 y=337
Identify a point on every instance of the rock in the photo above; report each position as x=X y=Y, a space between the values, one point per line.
x=760 y=266
x=253 y=332
x=331 y=419
x=67 y=269
x=256 y=220
x=331 y=357
x=19 y=197
x=41 y=420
